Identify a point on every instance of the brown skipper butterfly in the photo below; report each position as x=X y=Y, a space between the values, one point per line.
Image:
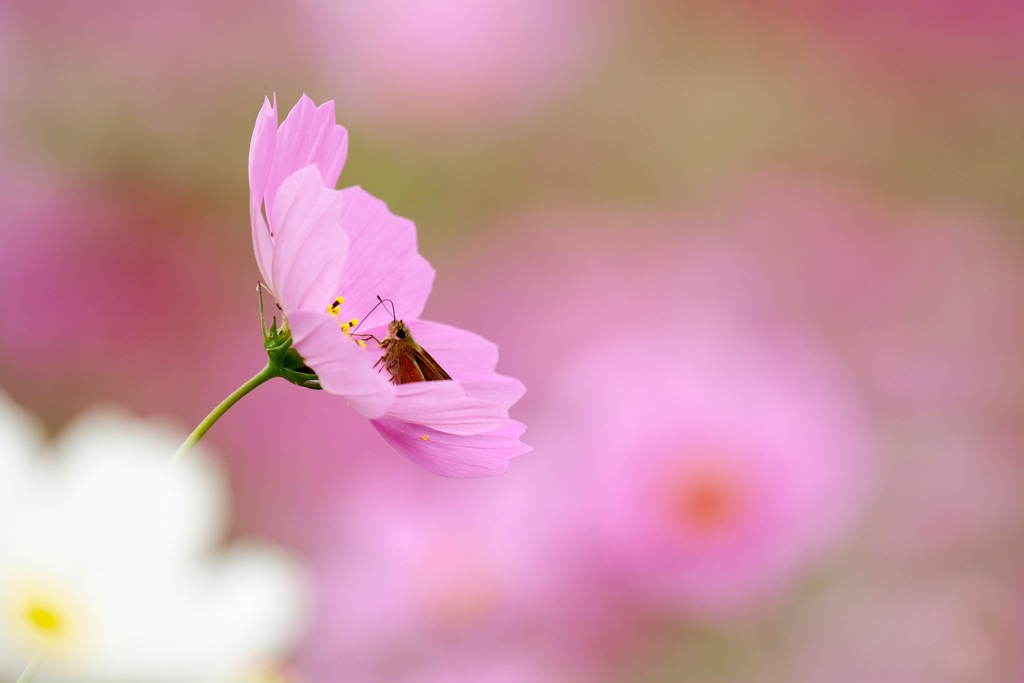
x=404 y=359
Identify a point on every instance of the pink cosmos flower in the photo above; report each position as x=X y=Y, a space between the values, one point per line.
x=326 y=255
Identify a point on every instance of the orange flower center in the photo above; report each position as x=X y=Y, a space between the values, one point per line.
x=706 y=496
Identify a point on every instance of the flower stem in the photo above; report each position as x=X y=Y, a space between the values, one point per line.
x=30 y=670
x=266 y=373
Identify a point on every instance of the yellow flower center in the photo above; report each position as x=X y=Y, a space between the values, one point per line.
x=44 y=618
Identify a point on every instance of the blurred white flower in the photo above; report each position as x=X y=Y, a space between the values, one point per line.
x=107 y=566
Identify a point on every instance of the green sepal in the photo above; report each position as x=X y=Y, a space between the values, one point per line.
x=285 y=360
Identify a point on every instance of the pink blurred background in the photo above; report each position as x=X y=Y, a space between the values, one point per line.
x=759 y=265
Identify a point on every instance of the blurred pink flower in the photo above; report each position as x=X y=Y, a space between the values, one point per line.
x=107 y=283
x=413 y=588
x=447 y=64
x=723 y=466
x=326 y=255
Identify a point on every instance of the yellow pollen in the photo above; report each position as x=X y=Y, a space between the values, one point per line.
x=361 y=343
x=44 y=618
x=334 y=308
x=346 y=327
x=425 y=437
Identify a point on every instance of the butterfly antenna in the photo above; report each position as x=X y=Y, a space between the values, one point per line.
x=375 y=306
x=392 y=311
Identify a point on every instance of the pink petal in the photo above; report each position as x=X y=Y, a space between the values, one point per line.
x=382 y=259
x=469 y=359
x=308 y=136
x=340 y=363
x=452 y=455
x=261 y=152
x=309 y=248
x=445 y=407
x=494 y=388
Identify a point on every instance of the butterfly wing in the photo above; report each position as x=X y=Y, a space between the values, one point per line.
x=407 y=361
x=429 y=368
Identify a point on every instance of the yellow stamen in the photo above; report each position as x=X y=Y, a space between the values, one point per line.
x=334 y=308
x=361 y=343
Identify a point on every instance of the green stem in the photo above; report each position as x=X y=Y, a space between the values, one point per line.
x=266 y=373
x=30 y=671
